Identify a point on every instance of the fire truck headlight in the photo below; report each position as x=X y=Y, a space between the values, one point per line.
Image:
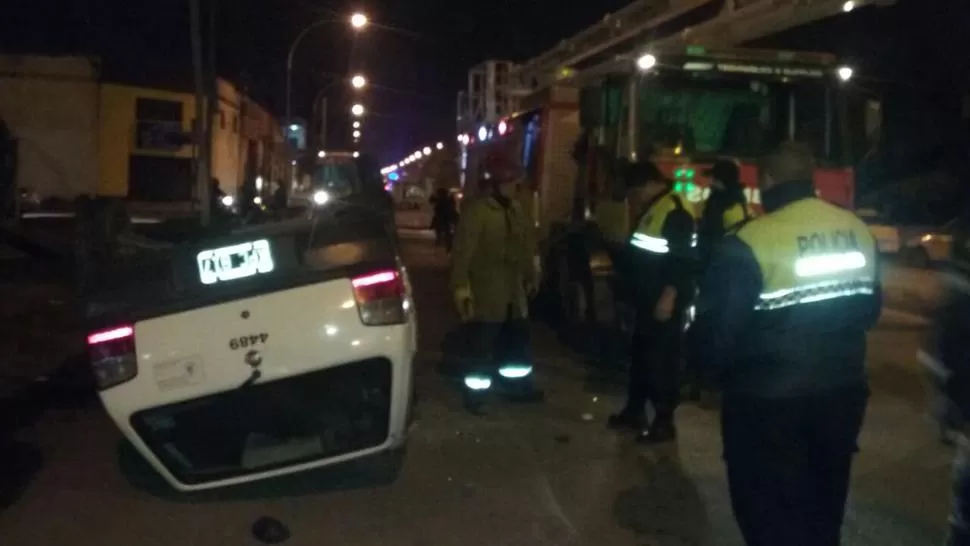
x=646 y=62
x=845 y=73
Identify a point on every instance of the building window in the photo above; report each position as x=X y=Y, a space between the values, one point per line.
x=158 y=124
x=222 y=119
x=158 y=110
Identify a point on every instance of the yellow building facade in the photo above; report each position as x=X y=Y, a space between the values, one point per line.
x=145 y=147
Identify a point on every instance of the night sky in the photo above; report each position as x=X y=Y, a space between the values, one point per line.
x=419 y=59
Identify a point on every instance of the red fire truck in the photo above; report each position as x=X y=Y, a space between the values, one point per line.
x=680 y=107
x=672 y=101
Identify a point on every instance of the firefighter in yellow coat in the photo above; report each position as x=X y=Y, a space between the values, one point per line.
x=492 y=278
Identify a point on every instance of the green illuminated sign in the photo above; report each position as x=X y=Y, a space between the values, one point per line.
x=684 y=180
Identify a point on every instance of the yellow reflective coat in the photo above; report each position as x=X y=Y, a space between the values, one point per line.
x=492 y=258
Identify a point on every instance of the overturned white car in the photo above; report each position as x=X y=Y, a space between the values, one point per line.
x=271 y=350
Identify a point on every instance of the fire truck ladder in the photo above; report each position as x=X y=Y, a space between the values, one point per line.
x=646 y=23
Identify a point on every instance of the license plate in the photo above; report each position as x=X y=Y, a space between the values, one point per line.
x=235 y=262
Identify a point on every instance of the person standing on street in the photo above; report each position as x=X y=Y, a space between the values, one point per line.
x=492 y=278
x=781 y=322
x=948 y=360
x=659 y=265
x=725 y=211
x=444 y=219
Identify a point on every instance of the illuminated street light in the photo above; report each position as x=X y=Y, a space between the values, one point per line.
x=440 y=145
x=294 y=127
x=356 y=154
x=845 y=73
x=848 y=6
x=357 y=110
x=358 y=81
x=358 y=20
x=321 y=154
x=646 y=62
x=356 y=125
x=356 y=134
x=417 y=154
x=427 y=150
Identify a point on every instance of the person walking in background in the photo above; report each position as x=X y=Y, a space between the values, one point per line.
x=782 y=317
x=659 y=265
x=492 y=278
x=444 y=219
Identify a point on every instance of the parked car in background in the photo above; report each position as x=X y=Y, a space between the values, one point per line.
x=929 y=247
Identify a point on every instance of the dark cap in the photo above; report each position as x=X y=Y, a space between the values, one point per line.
x=791 y=162
x=641 y=173
x=725 y=171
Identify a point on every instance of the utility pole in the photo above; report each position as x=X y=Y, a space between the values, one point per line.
x=323 y=123
x=199 y=131
x=212 y=87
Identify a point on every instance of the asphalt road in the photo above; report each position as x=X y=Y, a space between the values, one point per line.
x=522 y=474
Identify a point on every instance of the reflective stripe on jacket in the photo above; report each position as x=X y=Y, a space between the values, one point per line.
x=650 y=234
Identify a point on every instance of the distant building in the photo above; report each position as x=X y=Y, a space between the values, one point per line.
x=489 y=96
x=81 y=133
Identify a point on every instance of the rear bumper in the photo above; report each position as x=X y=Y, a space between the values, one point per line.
x=363 y=409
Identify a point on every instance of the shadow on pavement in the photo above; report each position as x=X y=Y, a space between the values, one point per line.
x=374 y=471
x=21 y=462
x=71 y=386
x=667 y=505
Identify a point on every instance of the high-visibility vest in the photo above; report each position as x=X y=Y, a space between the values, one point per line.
x=648 y=234
x=613 y=220
x=735 y=217
x=811 y=251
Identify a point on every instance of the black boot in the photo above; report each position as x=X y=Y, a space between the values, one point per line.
x=627 y=419
x=660 y=431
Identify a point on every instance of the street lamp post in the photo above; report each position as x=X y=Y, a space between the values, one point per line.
x=357 y=21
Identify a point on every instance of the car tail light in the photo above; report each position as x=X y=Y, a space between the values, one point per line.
x=113 y=357
x=381 y=297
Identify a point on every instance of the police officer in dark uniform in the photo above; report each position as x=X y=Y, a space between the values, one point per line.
x=948 y=359
x=725 y=211
x=659 y=263
x=782 y=317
